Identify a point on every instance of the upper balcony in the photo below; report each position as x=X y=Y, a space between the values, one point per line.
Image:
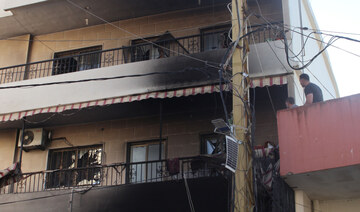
x=151 y=48
x=319 y=148
x=180 y=62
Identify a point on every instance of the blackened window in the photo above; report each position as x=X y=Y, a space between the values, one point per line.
x=216 y=37
x=74 y=166
x=77 y=60
x=212 y=144
x=162 y=46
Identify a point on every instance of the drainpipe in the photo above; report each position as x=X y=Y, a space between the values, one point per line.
x=27 y=68
x=22 y=141
x=15 y=156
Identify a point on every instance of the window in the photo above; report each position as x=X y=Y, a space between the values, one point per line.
x=142 y=50
x=215 y=38
x=77 y=60
x=72 y=166
x=145 y=152
x=212 y=144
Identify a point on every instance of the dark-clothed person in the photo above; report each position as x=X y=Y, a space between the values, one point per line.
x=313 y=93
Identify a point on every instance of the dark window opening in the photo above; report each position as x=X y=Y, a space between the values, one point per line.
x=162 y=46
x=216 y=37
x=212 y=144
x=77 y=60
x=267 y=100
x=72 y=167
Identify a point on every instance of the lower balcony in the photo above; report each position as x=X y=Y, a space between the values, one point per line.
x=162 y=184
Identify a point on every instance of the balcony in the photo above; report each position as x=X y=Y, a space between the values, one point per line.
x=164 y=46
x=171 y=58
x=319 y=148
x=118 y=174
x=129 y=186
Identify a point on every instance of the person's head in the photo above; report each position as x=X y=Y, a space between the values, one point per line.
x=304 y=80
x=290 y=101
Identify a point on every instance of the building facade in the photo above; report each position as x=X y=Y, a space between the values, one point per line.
x=113 y=100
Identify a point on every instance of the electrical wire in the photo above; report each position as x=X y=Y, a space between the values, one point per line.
x=291 y=28
x=111 y=39
x=138 y=36
x=317 y=79
x=262 y=70
x=188 y=194
x=329 y=31
x=28 y=31
x=289 y=49
x=104 y=78
x=277 y=57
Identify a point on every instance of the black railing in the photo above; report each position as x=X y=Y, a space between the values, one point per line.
x=266 y=32
x=155 y=49
x=116 y=174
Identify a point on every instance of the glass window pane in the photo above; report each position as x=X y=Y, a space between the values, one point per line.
x=154 y=152
x=210 y=147
x=138 y=154
x=137 y=171
x=154 y=169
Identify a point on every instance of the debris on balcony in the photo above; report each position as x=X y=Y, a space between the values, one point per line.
x=10 y=175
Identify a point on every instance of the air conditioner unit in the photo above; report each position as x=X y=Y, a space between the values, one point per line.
x=34 y=139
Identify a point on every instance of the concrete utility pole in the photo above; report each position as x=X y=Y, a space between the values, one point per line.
x=243 y=199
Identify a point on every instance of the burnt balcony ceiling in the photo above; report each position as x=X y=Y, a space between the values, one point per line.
x=60 y=15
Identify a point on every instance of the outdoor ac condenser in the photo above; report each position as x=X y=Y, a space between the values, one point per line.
x=34 y=139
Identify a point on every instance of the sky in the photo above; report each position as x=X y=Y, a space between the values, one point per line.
x=342 y=16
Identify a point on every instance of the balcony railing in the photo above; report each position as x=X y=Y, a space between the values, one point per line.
x=164 y=46
x=117 y=174
x=266 y=32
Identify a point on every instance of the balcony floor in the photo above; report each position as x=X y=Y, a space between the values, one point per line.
x=336 y=183
x=208 y=194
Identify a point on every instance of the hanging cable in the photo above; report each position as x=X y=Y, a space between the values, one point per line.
x=188 y=194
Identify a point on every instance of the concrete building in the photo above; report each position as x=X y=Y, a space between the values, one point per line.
x=319 y=154
x=116 y=99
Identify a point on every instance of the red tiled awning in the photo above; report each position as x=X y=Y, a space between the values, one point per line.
x=268 y=81
x=109 y=101
x=255 y=82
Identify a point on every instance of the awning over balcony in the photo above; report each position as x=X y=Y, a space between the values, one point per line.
x=255 y=82
x=115 y=100
x=268 y=81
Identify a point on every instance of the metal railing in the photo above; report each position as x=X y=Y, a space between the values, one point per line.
x=144 y=51
x=115 y=174
x=168 y=47
x=266 y=32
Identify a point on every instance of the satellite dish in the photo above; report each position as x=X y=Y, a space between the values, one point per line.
x=28 y=137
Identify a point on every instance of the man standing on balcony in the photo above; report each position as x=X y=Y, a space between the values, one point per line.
x=313 y=93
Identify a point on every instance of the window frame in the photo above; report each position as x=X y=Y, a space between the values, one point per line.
x=68 y=55
x=203 y=138
x=140 y=143
x=209 y=29
x=77 y=149
x=144 y=142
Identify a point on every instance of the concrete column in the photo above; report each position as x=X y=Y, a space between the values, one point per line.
x=302 y=202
